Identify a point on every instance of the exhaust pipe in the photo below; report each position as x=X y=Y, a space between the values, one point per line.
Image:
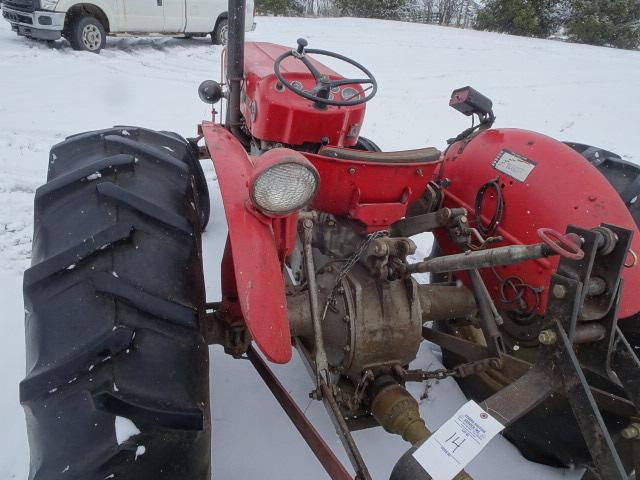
x=235 y=64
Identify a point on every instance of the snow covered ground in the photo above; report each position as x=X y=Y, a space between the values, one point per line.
x=572 y=92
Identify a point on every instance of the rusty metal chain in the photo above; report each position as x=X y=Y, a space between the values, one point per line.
x=461 y=371
x=348 y=265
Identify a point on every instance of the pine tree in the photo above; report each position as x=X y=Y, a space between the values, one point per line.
x=605 y=22
x=538 y=18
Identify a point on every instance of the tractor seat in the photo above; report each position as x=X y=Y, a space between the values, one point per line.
x=420 y=155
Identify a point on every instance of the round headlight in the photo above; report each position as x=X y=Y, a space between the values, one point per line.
x=284 y=188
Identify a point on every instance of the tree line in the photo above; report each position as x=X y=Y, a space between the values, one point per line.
x=614 y=23
x=459 y=13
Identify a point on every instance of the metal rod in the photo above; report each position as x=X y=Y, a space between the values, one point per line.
x=626 y=365
x=494 y=310
x=362 y=473
x=320 y=449
x=594 y=430
x=333 y=410
x=486 y=313
x=235 y=64
x=322 y=365
x=589 y=332
x=482 y=258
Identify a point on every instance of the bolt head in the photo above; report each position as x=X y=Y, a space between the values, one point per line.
x=547 y=337
x=631 y=432
x=559 y=291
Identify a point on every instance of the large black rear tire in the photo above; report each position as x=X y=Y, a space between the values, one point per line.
x=117 y=379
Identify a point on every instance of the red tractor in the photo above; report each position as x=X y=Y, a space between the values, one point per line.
x=534 y=323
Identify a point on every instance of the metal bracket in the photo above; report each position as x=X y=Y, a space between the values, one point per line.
x=570 y=312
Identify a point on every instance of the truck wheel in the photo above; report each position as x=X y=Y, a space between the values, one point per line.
x=117 y=382
x=87 y=33
x=220 y=34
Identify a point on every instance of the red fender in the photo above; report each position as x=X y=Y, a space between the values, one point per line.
x=544 y=183
x=256 y=241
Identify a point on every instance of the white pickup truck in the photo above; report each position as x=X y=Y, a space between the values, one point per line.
x=86 y=25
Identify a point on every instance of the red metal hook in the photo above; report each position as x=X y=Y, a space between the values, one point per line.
x=567 y=245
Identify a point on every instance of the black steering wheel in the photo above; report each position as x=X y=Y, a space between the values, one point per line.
x=320 y=93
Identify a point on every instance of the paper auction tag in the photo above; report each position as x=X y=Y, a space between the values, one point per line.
x=457 y=442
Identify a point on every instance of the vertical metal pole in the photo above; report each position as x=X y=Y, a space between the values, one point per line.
x=321 y=363
x=235 y=63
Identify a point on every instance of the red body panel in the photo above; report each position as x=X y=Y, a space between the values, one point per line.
x=563 y=188
x=281 y=115
x=375 y=193
x=257 y=270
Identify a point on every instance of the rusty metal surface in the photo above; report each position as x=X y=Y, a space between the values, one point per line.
x=514 y=367
x=508 y=255
x=426 y=222
x=488 y=315
x=367 y=322
x=575 y=386
x=362 y=473
x=320 y=355
x=370 y=324
x=446 y=301
x=521 y=396
x=397 y=411
x=321 y=450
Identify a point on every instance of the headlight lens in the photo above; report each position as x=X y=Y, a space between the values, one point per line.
x=48 y=4
x=284 y=188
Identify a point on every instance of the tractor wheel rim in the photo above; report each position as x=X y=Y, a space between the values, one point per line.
x=91 y=37
x=224 y=34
